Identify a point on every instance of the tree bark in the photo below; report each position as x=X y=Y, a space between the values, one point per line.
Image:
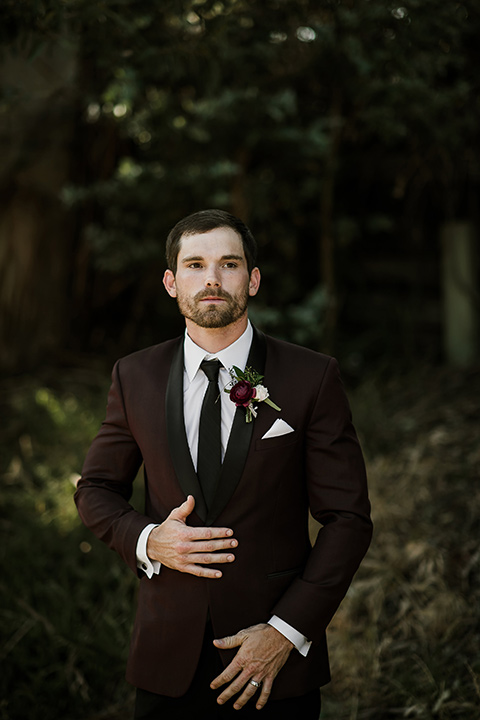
x=460 y=294
x=35 y=232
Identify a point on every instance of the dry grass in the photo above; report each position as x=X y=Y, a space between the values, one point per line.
x=405 y=642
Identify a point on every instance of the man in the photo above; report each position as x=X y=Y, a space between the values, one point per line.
x=233 y=601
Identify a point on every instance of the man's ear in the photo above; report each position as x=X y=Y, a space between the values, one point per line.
x=254 y=283
x=169 y=283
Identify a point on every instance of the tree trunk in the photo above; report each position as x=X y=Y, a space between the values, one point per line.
x=34 y=227
x=460 y=293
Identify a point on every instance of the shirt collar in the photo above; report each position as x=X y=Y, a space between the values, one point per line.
x=234 y=354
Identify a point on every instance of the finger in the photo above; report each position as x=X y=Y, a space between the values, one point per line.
x=201 y=571
x=248 y=692
x=183 y=511
x=211 y=546
x=265 y=691
x=230 y=641
x=209 y=558
x=196 y=550
x=209 y=533
x=235 y=687
x=228 y=674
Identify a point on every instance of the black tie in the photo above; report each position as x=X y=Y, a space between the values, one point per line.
x=209 y=461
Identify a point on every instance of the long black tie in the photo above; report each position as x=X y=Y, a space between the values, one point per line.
x=209 y=460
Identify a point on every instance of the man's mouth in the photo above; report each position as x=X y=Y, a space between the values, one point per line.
x=213 y=299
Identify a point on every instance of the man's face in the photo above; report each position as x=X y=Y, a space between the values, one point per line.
x=212 y=284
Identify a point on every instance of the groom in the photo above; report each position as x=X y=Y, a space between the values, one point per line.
x=233 y=601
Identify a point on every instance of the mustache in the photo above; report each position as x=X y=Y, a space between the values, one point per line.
x=212 y=293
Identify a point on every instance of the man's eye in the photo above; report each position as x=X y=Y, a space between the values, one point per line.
x=194 y=265
x=231 y=265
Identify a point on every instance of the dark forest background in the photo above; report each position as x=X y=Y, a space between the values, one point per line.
x=346 y=133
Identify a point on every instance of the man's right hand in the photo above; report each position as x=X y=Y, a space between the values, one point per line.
x=187 y=549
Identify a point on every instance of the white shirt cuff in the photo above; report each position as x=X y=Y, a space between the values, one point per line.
x=299 y=640
x=149 y=567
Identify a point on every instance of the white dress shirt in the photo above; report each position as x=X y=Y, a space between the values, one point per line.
x=194 y=387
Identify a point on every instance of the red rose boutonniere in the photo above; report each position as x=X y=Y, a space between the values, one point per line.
x=245 y=390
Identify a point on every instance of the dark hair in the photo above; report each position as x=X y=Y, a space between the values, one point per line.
x=202 y=222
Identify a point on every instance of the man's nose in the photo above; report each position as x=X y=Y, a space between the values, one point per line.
x=212 y=279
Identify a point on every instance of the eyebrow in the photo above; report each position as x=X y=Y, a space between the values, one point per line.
x=196 y=258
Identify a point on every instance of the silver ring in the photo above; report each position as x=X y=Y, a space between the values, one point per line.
x=255 y=683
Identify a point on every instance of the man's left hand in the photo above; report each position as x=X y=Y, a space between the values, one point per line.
x=263 y=651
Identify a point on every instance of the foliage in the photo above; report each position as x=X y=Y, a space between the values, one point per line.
x=405 y=640
x=66 y=600
x=311 y=120
x=352 y=122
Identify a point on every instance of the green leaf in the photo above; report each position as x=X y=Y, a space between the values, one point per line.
x=239 y=373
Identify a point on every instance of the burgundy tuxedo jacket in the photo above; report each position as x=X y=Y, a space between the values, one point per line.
x=265 y=491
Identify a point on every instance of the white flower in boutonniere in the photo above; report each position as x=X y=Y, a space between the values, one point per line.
x=245 y=389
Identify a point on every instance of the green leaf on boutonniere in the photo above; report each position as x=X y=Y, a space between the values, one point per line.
x=239 y=373
x=245 y=390
x=249 y=375
x=272 y=404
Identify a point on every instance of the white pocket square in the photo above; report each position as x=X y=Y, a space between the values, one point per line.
x=279 y=427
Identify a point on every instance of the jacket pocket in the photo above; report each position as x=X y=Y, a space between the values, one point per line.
x=282 y=573
x=277 y=442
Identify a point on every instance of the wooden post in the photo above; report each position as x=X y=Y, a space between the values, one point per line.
x=460 y=293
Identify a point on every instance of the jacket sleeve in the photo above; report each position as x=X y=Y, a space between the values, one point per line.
x=105 y=487
x=338 y=497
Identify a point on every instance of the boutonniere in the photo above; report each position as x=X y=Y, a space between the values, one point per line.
x=245 y=390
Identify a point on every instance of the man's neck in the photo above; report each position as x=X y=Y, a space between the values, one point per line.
x=213 y=340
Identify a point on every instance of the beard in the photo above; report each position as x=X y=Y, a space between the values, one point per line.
x=213 y=316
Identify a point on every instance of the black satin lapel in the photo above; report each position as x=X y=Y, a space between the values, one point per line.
x=240 y=437
x=177 y=438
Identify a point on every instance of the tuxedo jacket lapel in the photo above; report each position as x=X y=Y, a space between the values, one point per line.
x=240 y=437
x=177 y=437
x=238 y=443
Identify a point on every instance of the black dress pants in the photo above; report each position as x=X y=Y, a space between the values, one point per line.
x=201 y=702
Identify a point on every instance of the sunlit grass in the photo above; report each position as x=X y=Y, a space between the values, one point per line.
x=66 y=600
